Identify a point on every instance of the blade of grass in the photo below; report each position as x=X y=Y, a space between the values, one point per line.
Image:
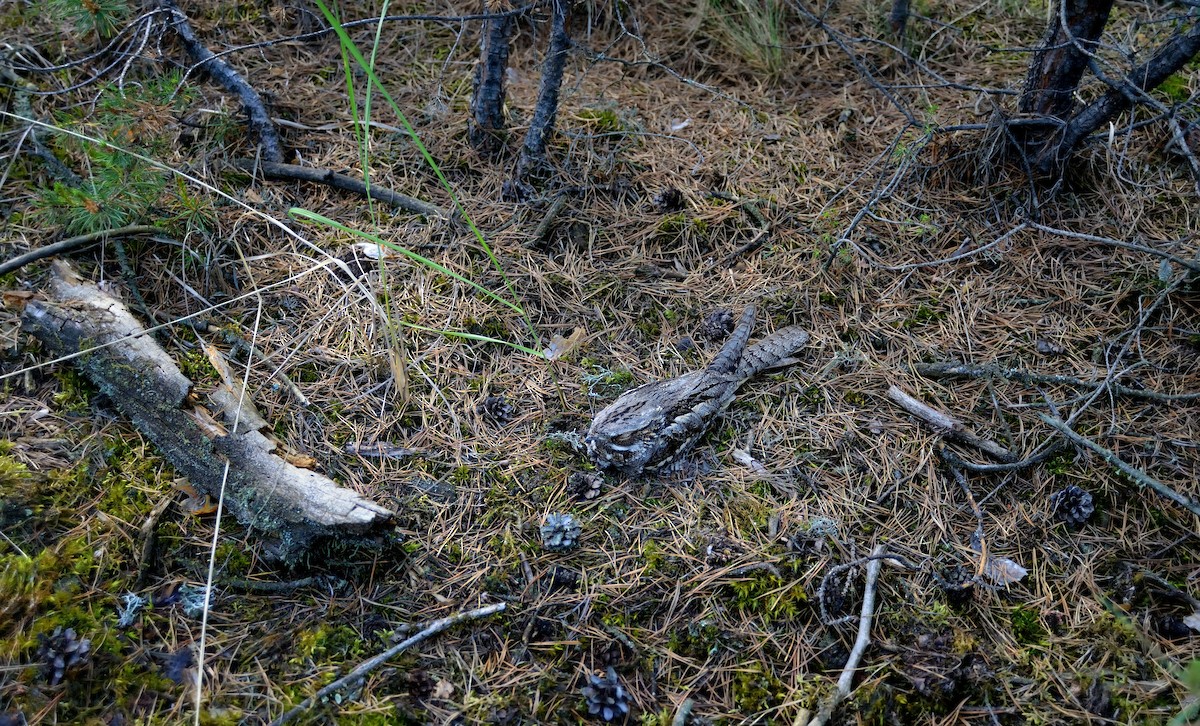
x=373 y=79
x=298 y=212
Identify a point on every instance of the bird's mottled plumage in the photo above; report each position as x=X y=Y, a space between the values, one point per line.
x=652 y=428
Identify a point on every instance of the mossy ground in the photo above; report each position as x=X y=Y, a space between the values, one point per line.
x=704 y=589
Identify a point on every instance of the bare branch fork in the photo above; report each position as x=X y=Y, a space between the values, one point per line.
x=1029 y=378
x=372 y=664
x=861 y=641
x=948 y=426
x=276 y=170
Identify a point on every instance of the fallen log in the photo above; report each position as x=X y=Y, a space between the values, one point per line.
x=289 y=507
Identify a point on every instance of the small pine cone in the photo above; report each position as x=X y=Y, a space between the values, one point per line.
x=560 y=532
x=717 y=325
x=668 y=200
x=60 y=652
x=585 y=484
x=606 y=697
x=958 y=583
x=1072 y=505
x=496 y=409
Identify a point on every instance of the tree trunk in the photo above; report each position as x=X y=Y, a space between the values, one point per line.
x=1167 y=60
x=541 y=126
x=487 y=100
x=1057 y=67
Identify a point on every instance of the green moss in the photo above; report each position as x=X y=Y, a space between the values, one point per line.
x=1027 y=626
x=923 y=315
x=756 y=689
x=767 y=595
x=327 y=643
x=601 y=120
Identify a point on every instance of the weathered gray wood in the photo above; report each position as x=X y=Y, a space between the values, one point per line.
x=288 y=506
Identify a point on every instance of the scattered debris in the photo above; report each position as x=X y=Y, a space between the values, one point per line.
x=585 y=485
x=717 y=325
x=496 y=409
x=668 y=200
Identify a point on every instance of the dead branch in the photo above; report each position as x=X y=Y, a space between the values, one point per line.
x=276 y=170
x=861 y=641
x=291 y=507
x=371 y=664
x=260 y=121
x=72 y=243
x=1189 y=264
x=949 y=427
x=1139 y=476
x=1029 y=378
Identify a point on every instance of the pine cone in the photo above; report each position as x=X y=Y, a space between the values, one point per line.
x=560 y=532
x=496 y=409
x=60 y=652
x=606 y=697
x=1072 y=505
x=717 y=325
x=958 y=583
x=585 y=484
x=668 y=200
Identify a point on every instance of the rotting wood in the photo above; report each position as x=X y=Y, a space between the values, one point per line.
x=290 y=508
x=345 y=182
x=949 y=427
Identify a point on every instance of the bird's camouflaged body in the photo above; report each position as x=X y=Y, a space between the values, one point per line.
x=653 y=427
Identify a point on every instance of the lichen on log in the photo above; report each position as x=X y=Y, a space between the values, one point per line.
x=289 y=507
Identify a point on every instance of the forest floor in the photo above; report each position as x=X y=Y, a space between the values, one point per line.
x=736 y=178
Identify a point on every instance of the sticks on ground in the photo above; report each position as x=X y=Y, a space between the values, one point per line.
x=1128 y=469
x=949 y=427
x=371 y=664
x=276 y=170
x=72 y=243
x=861 y=641
x=970 y=370
x=223 y=73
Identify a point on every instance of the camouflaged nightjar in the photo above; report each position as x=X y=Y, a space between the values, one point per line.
x=652 y=428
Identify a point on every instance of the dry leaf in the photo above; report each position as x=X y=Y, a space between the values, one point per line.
x=560 y=346
x=443 y=690
x=196 y=504
x=1193 y=621
x=16 y=299
x=304 y=461
x=1003 y=571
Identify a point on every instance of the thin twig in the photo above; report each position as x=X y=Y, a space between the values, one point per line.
x=970 y=370
x=1128 y=469
x=860 y=642
x=71 y=243
x=276 y=170
x=1189 y=264
x=371 y=664
x=949 y=427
